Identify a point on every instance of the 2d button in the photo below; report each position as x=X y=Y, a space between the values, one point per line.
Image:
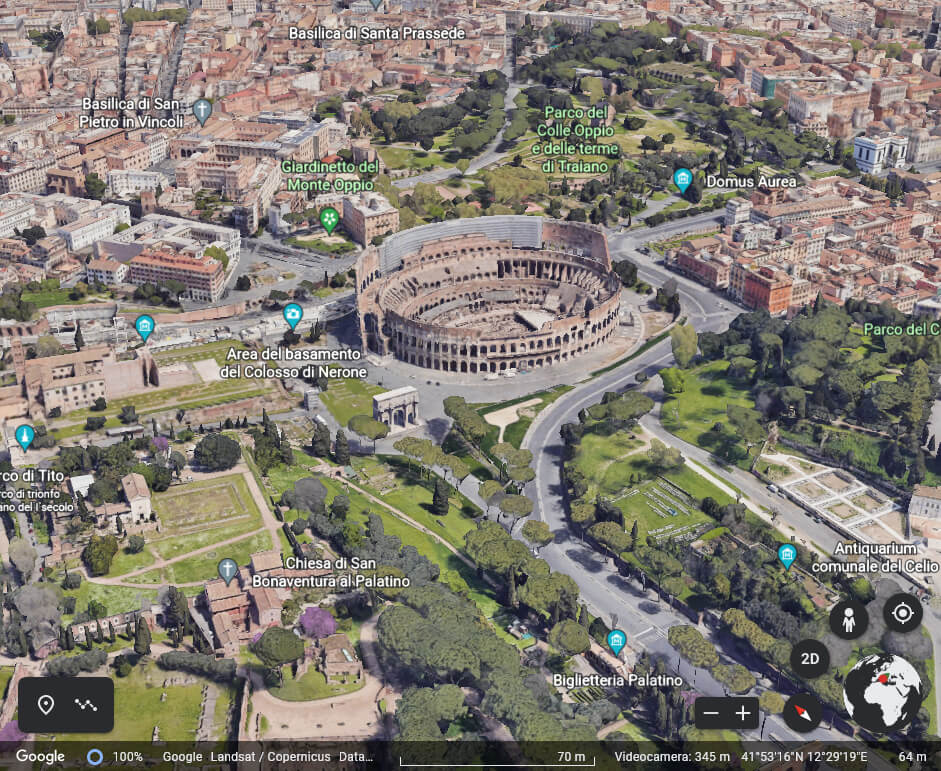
x=849 y=619
x=802 y=712
x=902 y=612
x=810 y=658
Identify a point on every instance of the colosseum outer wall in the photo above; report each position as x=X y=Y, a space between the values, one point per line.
x=492 y=294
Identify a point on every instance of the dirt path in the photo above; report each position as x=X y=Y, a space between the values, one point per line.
x=508 y=415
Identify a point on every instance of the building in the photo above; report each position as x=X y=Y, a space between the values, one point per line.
x=768 y=288
x=337 y=659
x=874 y=154
x=73 y=381
x=87 y=230
x=925 y=502
x=398 y=408
x=203 y=277
x=369 y=215
x=737 y=211
x=107 y=272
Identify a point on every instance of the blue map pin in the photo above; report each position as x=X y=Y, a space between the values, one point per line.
x=787 y=554
x=227 y=570
x=682 y=178
x=202 y=109
x=616 y=641
x=24 y=436
x=144 y=326
x=293 y=313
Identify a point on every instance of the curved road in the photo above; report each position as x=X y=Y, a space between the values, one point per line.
x=606 y=592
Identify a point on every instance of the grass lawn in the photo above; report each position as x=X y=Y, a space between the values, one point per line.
x=413 y=158
x=117 y=599
x=703 y=403
x=125 y=562
x=427 y=546
x=203 y=567
x=596 y=453
x=217 y=350
x=319 y=245
x=188 y=397
x=515 y=432
x=666 y=517
x=412 y=495
x=346 y=397
x=312 y=685
x=137 y=698
x=202 y=513
x=50 y=297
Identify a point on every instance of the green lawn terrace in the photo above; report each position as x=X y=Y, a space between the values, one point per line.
x=703 y=404
x=405 y=515
x=152 y=704
x=665 y=504
x=205 y=392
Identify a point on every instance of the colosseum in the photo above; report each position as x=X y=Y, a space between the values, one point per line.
x=488 y=295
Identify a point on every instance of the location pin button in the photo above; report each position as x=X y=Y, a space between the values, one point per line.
x=25 y=435
x=616 y=641
x=46 y=704
x=227 y=570
x=293 y=313
x=144 y=326
x=202 y=109
x=329 y=218
x=682 y=178
x=787 y=554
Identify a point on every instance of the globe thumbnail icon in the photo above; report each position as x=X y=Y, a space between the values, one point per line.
x=883 y=693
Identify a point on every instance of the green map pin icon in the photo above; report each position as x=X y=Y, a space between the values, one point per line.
x=329 y=218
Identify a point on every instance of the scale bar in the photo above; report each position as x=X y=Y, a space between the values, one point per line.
x=497 y=765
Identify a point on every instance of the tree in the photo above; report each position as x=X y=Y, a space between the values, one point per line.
x=366 y=427
x=99 y=552
x=243 y=283
x=339 y=507
x=320 y=440
x=516 y=507
x=278 y=646
x=668 y=139
x=23 y=556
x=135 y=544
x=142 y=638
x=569 y=637
x=674 y=380
x=663 y=458
x=128 y=415
x=317 y=623
x=79 y=339
x=99 y=405
x=94 y=186
x=341 y=449
x=217 y=452
x=685 y=341
x=439 y=502
x=693 y=193
x=33 y=234
x=537 y=532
